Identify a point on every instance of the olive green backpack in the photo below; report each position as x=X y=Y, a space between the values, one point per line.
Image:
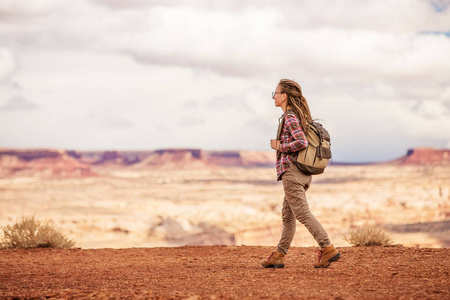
x=313 y=159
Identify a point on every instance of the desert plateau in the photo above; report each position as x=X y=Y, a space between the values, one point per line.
x=191 y=224
x=192 y=197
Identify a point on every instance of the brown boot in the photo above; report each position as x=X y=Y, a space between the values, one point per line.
x=327 y=256
x=275 y=260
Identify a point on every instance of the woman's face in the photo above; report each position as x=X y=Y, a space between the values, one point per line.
x=279 y=97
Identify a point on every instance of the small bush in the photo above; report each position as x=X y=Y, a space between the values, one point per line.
x=31 y=233
x=369 y=235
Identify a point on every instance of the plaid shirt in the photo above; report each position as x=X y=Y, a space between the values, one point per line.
x=292 y=140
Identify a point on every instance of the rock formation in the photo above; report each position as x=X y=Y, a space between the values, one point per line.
x=174 y=158
x=41 y=162
x=69 y=163
x=203 y=233
x=241 y=158
x=425 y=156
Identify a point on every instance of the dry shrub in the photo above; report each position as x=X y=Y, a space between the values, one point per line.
x=369 y=235
x=31 y=233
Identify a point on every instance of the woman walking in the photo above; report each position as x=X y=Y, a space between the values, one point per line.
x=291 y=138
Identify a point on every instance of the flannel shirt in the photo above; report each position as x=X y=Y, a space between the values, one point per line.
x=292 y=140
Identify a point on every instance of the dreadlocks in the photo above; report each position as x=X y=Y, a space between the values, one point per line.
x=296 y=101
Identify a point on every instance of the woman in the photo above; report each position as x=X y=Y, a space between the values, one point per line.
x=291 y=138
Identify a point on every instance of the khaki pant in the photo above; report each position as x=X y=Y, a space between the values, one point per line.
x=295 y=207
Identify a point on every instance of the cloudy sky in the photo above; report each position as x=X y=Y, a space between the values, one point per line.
x=133 y=75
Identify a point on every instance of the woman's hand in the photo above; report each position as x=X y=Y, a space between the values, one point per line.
x=275 y=144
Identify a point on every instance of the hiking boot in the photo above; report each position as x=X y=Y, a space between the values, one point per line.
x=275 y=260
x=327 y=256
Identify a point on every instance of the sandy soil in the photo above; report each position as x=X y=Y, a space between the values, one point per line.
x=224 y=272
x=125 y=208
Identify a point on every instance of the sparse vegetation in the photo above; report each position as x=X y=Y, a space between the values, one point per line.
x=369 y=235
x=31 y=233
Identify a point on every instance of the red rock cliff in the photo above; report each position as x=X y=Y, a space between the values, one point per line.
x=425 y=156
x=41 y=162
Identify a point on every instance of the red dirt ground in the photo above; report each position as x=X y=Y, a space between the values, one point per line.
x=219 y=272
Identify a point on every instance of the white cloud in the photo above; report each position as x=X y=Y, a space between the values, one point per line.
x=18 y=104
x=109 y=121
x=376 y=15
x=11 y=9
x=159 y=69
x=191 y=121
x=7 y=65
x=8 y=86
x=433 y=109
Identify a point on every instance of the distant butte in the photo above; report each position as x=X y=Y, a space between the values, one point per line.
x=42 y=163
x=424 y=156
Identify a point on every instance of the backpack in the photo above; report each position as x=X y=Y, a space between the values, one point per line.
x=313 y=159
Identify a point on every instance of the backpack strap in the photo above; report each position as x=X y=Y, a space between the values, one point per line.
x=281 y=122
x=280 y=127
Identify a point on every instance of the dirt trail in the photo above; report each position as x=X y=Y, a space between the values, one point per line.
x=219 y=272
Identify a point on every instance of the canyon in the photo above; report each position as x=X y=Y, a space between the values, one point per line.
x=176 y=197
